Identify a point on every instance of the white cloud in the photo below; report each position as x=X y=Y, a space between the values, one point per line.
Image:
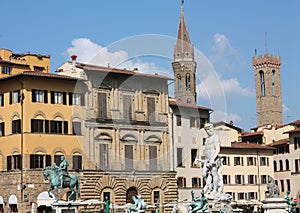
x=92 y=53
x=224 y=59
x=223 y=116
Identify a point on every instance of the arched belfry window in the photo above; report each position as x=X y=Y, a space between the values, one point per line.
x=273 y=83
x=179 y=86
x=188 y=82
x=262 y=82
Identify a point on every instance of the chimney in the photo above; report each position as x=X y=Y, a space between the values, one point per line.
x=73 y=57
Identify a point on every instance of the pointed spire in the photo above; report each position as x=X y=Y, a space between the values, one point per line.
x=183 y=33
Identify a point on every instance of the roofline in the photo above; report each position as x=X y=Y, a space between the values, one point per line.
x=185 y=105
x=30 y=73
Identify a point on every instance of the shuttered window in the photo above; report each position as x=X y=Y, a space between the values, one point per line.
x=151 y=108
x=102 y=105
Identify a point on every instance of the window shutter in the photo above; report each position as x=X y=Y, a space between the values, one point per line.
x=47 y=126
x=45 y=96
x=10 y=97
x=48 y=160
x=267 y=161
x=19 y=96
x=33 y=95
x=82 y=100
x=66 y=127
x=64 y=98
x=8 y=163
x=255 y=161
x=19 y=159
x=32 y=162
x=228 y=179
x=70 y=98
x=242 y=160
x=243 y=179
x=52 y=97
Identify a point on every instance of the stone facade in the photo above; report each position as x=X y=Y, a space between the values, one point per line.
x=268 y=89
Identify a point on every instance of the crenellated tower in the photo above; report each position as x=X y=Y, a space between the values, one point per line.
x=184 y=65
x=268 y=89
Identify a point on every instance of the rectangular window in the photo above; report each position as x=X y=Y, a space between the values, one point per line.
x=13 y=162
x=102 y=105
x=296 y=165
x=6 y=70
x=179 y=157
x=251 y=161
x=202 y=122
x=192 y=122
x=239 y=179
x=128 y=157
x=38 y=69
x=76 y=128
x=252 y=179
x=151 y=108
x=56 y=127
x=178 y=120
x=2 y=129
x=127 y=107
x=181 y=182
x=74 y=99
x=1 y=100
x=39 y=161
x=77 y=162
x=16 y=126
x=14 y=97
x=37 y=95
x=238 y=161
x=241 y=196
x=252 y=195
x=152 y=158
x=282 y=185
x=156 y=197
x=288 y=184
x=37 y=126
x=196 y=182
x=296 y=143
x=56 y=97
x=226 y=160
x=57 y=159
x=264 y=179
x=193 y=157
x=226 y=179
x=264 y=161
x=104 y=162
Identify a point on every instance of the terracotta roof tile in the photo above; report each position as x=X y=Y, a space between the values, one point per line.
x=117 y=70
x=183 y=104
x=279 y=142
x=247 y=145
x=247 y=134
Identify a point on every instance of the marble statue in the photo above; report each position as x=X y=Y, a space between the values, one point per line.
x=199 y=203
x=212 y=165
x=272 y=188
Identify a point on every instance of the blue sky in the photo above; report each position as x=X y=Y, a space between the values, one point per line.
x=226 y=32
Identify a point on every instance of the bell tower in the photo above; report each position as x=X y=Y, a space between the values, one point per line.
x=268 y=89
x=184 y=65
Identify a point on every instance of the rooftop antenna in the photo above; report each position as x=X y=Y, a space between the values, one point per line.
x=266 y=45
x=255 y=52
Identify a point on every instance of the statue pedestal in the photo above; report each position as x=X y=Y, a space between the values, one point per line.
x=65 y=207
x=275 y=205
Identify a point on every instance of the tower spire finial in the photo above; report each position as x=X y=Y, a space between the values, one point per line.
x=182 y=2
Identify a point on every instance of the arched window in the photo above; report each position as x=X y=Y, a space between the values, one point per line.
x=262 y=82
x=280 y=165
x=287 y=164
x=188 y=82
x=275 y=166
x=179 y=83
x=273 y=83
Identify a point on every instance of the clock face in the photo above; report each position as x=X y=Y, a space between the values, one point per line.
x=187 y=54
x=177 y=55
